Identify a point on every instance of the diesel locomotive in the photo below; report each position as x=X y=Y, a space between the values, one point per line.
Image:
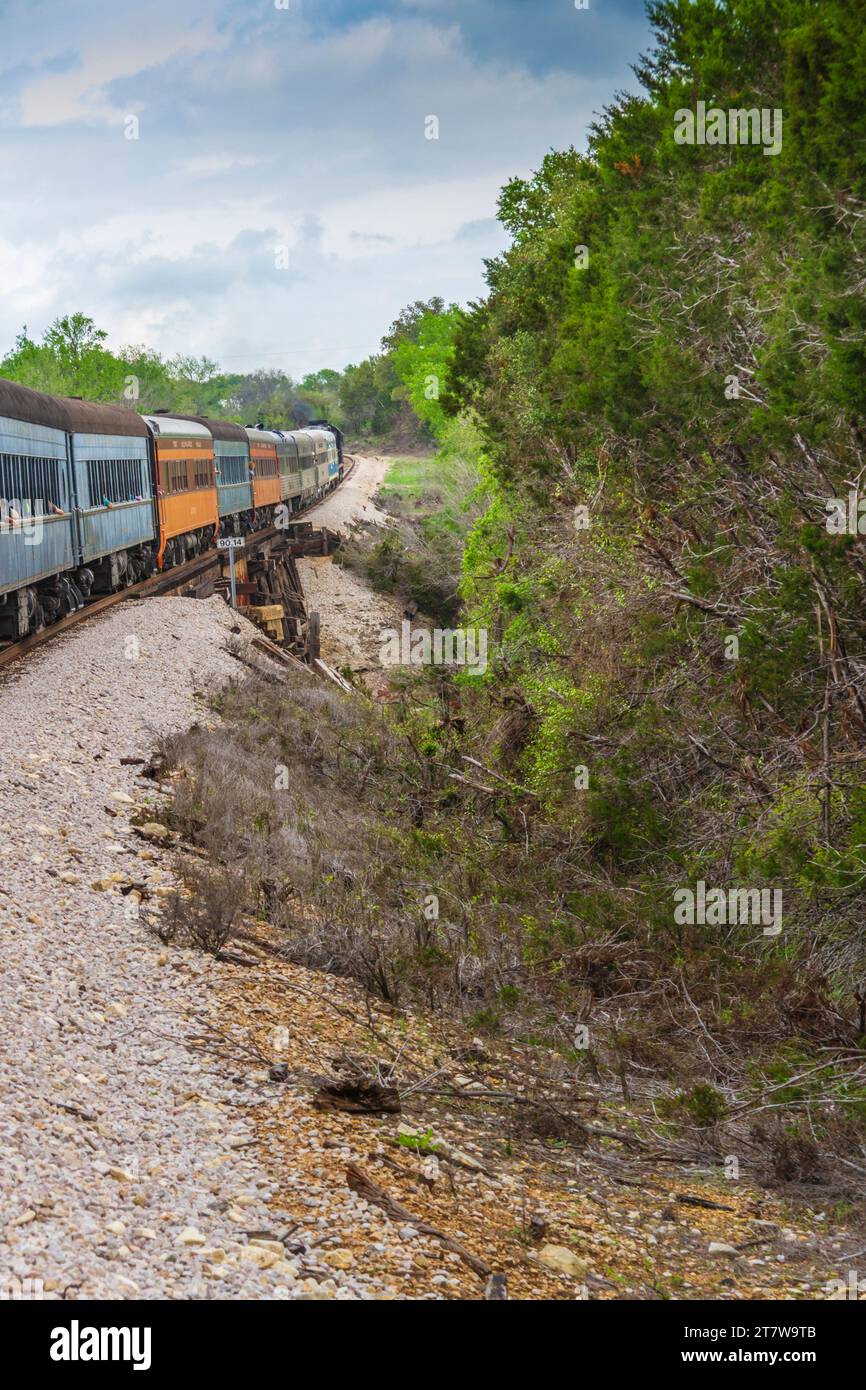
x=96 y=497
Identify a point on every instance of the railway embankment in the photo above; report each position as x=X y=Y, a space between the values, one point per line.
x=355 y=614
x=130 y=1132
x=178 y=1123
x=120 y=1144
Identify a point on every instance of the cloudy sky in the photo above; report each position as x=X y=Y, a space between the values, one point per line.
x=281 y=201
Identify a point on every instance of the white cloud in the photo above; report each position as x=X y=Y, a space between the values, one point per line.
x=126 y=42
x=259 y=128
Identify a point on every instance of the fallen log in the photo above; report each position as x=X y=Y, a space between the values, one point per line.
x=358 y=1098
x=271 y=649
x=366 y=1188
x=688 y=1201
x=324 y=669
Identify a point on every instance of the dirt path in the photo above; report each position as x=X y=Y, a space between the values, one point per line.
x=353 y=616
x=354 y=500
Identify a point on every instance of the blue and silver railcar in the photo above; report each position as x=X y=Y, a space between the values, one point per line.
x=333 y=459
x=37 y=539
x=320 y=448
x=234 y=480
x=114 y=519
x=291 y=486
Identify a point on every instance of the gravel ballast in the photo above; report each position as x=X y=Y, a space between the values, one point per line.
x=121 y=1167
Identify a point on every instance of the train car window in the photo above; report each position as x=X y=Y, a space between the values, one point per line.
x=30 y=484
x=114 y=480
x=202 y=473
x=233 y=469
x=178 y=480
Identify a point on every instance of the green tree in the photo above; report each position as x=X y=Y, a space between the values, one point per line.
x=422 y=363
x=407 y=324
x=367 y=396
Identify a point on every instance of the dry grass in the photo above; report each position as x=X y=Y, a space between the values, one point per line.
x=339 y=823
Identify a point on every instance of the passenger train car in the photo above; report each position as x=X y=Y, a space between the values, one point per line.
x=334 y=441
x=265 y=468
x=234 y=483
x=95 y=497
x=307 y=455
x=186 y=496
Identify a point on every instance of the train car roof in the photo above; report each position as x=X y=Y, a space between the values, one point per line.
x=94 y=417
x=176 y=427
x=258 y=436
x=220 y=429
x=320 y=438
x=33 y=407
x=303 y=441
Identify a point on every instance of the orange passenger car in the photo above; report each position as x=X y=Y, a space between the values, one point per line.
x=185 y=488
x=265 y=468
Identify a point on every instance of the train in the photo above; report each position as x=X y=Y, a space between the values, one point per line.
x=96 y=497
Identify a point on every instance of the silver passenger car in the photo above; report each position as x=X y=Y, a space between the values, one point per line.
x=307 y=460
x=114 y=511
x=291 y=486
x=320 y=448
x=37 y=538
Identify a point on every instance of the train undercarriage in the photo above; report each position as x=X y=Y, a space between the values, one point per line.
x=179 y=549
x=28 y=610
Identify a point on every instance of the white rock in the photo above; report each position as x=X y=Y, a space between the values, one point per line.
x=563 y=1260
x=191 y=1236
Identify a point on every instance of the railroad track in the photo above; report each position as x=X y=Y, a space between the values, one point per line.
x=153 y=587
